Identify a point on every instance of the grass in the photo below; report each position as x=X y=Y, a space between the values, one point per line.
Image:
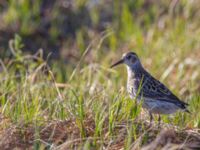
x=83 y=104
x=92 y=110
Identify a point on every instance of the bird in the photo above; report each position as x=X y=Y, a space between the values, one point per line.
x=156 y=98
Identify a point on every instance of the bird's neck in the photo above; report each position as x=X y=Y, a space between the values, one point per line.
x=134 y=72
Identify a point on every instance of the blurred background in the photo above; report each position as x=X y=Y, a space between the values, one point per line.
x=165 y=34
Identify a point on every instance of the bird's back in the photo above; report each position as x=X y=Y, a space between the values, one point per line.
x=141 y=84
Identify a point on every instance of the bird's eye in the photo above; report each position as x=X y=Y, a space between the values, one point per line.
x=129 y=57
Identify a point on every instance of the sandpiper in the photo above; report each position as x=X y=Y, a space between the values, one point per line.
x=155 y=96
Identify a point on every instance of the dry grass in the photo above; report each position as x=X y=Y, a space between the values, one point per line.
x=66 y=135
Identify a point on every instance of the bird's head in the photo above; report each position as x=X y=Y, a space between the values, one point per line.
x=130 y=59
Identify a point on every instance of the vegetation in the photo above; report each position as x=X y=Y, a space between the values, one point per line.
x=57 y=90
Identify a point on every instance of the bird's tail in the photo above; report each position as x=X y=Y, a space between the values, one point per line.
x=186 y=110
x=184 y=107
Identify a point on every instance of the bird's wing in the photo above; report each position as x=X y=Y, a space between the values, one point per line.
x=152 y=88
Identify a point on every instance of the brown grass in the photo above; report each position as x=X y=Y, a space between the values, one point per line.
x=66 y=135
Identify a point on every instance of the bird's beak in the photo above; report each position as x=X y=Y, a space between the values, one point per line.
x=117 y=63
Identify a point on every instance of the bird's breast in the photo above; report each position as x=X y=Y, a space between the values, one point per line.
x=132 y=87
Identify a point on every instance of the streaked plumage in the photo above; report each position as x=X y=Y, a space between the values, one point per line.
x=157 y=98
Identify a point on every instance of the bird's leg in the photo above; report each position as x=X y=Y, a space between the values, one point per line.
x=151 y=118
x=159 y=120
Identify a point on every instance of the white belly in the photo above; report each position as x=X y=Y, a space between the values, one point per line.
x=160 y=107
x=152 y=105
